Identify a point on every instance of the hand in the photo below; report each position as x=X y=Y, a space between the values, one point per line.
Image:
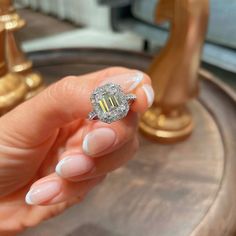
x=48 y=147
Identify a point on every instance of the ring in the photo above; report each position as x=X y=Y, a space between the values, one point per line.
x=110 y=103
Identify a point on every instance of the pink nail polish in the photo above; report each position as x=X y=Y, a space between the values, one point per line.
x=128 y=81
x=74 y=165
x=43 y=193
x=148 y=90
x=98 y=141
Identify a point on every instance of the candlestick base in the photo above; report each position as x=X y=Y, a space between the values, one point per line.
x=35 y=84
x=12 y=91
x=166 y=128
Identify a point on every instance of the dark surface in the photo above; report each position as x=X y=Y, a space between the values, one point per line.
x=37 y=25
x=180 y=189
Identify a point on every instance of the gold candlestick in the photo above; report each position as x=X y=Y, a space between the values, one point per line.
x=17 y=61
x=174 y=70
x=12 y=86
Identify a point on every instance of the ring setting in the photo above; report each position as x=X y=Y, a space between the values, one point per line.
x=110 y=103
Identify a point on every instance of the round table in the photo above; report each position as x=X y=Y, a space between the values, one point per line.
x=180 y=189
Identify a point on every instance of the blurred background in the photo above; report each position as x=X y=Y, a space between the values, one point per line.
x=181 y=184
x=123 y=24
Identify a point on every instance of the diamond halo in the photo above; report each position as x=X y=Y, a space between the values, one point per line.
x=110 y=103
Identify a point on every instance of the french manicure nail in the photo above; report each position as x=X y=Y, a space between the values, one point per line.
x=128 y=81
x=135 y=80
x=98 y=141
x=72 y=166
x=148 y=90
x=42 y=193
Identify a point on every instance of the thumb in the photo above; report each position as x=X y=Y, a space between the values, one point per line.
x=35 y=120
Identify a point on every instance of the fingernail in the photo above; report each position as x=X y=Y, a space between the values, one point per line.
x=72 y=166
x=98 y=141
x=43 y=193
x=148 y=90
x=128 y=81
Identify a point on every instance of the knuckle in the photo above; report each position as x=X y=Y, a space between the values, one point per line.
x=57 y=92
x=66 y=87
x=59 y=95
x=50 y=92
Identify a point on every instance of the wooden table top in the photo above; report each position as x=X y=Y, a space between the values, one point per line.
x=180 y=189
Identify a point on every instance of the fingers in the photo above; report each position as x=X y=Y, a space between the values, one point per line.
x=108 y=163
x=53 y=190
x=98 y=138
x=97 y=141
x=78 y=166
x=104 y=139
x=68 y=100
x=138 y=83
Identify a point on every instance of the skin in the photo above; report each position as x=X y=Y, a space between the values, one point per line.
x=40 y=132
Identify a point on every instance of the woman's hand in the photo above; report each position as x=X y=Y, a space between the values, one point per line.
x=52 y=155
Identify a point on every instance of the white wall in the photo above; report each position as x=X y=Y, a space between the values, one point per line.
x=85 y=12
x=97 y=32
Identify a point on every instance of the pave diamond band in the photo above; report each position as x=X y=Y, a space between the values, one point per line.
x=110 y=103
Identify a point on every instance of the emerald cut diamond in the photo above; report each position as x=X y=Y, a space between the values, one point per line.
x=110 y=103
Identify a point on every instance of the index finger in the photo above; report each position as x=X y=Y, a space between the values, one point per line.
x=69 y=99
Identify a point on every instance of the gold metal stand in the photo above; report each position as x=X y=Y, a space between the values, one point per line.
x=174 y=70
x=12 y=86
x=17 y=61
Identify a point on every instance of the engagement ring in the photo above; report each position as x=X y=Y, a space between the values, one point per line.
x=110 y=103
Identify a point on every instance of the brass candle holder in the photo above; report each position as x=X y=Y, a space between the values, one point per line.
x=16 y=59
x=174 y=70
x=12 y=86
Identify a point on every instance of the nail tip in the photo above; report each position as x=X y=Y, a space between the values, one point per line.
x=149 y=94
x=28 y=199
x=98 y=140
x=58 y=168
x=85 y=144
x=137 y=80
x=139 y=75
